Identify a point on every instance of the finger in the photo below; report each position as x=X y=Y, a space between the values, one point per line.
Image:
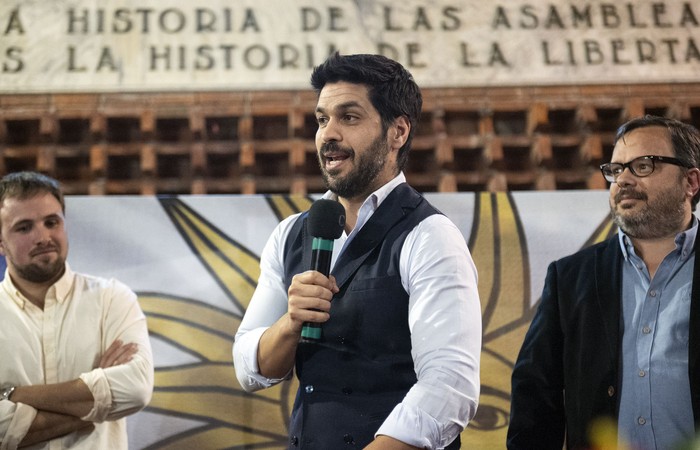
x=314 y=277
x=117 y=355
x=300 y=316
x=335 y=289
x=108 y=355
x=310 y=291
x=125 y=353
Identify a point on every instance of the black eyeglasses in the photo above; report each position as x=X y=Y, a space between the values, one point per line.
x=641 y=167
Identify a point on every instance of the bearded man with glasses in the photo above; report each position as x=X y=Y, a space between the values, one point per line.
x=616 y=336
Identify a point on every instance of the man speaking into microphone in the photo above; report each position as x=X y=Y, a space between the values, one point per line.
x=395 y=363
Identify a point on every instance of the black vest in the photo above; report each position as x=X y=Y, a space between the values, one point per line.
x=362 y=367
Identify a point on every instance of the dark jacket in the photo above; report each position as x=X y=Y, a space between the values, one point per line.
x=567 y=372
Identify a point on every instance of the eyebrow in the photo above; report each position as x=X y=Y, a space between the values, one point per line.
x=47 y=217
x=341 y=107
x=21 y=223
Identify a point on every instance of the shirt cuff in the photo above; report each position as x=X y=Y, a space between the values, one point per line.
x=97 y=382
x=246 y=362
x=22 y=419
x=412 y=426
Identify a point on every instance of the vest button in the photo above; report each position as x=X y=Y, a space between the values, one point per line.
x=349 y=439
x=611 y=391
x=294 y=441
x=309 y=389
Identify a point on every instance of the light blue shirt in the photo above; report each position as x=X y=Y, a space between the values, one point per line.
x=655 y=408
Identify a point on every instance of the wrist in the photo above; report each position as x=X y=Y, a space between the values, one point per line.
x=6 y=392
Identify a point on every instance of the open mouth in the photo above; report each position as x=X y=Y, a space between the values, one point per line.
x=335 y=159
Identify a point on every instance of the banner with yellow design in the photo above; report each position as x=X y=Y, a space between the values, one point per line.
x=193 y=260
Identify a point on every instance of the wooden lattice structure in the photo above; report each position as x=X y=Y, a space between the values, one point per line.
x=469 y=139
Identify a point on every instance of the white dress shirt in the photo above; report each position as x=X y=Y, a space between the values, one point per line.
x=82 y=317
x=439 y=275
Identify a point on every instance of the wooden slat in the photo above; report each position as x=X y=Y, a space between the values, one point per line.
x=482 y=138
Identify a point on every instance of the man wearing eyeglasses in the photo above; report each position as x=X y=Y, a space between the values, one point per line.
x=615 y=341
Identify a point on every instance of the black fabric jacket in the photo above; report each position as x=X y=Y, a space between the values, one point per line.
x=567 y=372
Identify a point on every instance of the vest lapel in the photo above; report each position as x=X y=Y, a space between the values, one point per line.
x=398 y=203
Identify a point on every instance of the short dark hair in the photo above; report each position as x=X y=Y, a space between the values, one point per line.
x=24 y=185
x=391 y=88
x=685 y=139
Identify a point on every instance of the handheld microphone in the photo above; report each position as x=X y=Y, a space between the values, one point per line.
x=325 y=223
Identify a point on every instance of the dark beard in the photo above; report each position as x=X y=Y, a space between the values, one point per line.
x=360 y=181
x=41 y=274
x=659 y=218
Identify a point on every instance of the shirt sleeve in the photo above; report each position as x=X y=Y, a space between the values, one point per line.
x=440 y=277
x=127 y=388
x=268 y=304
x=15 y=420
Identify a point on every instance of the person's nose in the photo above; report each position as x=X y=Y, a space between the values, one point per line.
x=626 y=177
x=43 y=235
x=330 y=132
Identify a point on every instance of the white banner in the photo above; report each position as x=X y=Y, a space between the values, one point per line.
x=194 y=262
x=136 y=45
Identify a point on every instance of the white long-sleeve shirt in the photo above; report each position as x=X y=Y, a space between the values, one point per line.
x=82 y=317
x=439 y=275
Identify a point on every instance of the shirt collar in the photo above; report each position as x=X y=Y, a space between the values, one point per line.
x=377 y=197
x=371 y=203
x=62 y=288
x=685 y=241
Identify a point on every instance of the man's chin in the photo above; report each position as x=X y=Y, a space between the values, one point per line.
x=42 y=273
x=332 y=180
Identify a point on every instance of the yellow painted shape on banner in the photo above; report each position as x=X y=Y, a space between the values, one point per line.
x=507 y=291
x=210 y=375
x=200 y=314
x=218 y=252
x=208 y=391
x=286 y=205
x=607 y=229
x=222 y=407
x=224 y=412
x=483 y=248
x=220 y=438
x=211 y=346
x=498 y=252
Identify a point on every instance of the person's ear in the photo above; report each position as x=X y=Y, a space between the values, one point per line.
x=398 y=132
x=693 y=179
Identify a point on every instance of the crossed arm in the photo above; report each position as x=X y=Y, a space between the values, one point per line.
x=60 y=406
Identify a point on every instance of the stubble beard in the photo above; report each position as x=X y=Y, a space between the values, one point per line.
x=361 y=179
x=658 y=218
x=41 y=273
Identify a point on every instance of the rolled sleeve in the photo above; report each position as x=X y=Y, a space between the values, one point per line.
x=126 y=388
x=268 y=304
x=411 y=423
x=131 y=384
x=15 y=421
x=445 y=321
x=245 y=359
x=411 y=426
x=97 y=382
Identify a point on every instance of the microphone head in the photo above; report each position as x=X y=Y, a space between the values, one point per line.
x=326 y=219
